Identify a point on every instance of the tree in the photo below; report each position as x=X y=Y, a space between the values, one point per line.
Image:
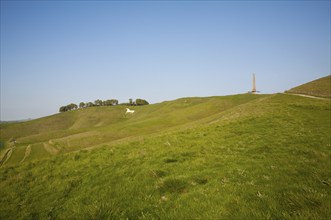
x=98 y=102
x=114 y=101
x=141 y=102
x=71 y=106
x=110 y=102
x=130 y=102
x=63 y=109
x=89 y=104
x=107 y=103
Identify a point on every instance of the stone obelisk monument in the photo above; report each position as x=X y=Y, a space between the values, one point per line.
x=254 y=84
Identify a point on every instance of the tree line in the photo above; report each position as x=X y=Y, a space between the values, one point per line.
x=98 y=102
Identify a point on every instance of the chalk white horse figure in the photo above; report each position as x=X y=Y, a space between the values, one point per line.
x=128 y=111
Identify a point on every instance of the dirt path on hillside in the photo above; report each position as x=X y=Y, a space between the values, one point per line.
x=308 y=96
x=27 y=152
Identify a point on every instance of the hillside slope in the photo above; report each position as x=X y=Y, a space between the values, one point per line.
x=86 y=128
x=320 y=88
x=235 y=157
x=265 y=159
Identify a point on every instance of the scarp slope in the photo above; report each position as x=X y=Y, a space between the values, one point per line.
x=89 y=127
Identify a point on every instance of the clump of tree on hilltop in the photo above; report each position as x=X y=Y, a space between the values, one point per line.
x=98 y=102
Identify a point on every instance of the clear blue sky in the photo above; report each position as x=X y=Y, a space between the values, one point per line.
x=54 y=53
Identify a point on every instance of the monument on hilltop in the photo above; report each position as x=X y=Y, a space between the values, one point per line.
x=254 y=91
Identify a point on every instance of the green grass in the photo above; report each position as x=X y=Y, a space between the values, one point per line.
x=2 y=144
x=237 y=157
x=37 y=152
x=86 y=128
x=234 y=157
x=320 y=87
x=17 y=155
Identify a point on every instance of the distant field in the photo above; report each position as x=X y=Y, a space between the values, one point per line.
x=235 y=157
x=320 y=88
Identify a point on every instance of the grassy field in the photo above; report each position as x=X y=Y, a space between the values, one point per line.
x=235 y=157
x=86 y=128
x=320 y=88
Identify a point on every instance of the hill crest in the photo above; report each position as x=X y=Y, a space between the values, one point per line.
x=320 y=88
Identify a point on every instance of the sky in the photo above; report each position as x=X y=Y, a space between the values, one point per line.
x=54 y=53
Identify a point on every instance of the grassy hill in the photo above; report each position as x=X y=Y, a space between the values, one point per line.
x=235 y=157
x=320 y=88
x=90 y=127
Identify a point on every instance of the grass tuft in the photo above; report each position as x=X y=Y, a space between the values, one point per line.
x=173 y=185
